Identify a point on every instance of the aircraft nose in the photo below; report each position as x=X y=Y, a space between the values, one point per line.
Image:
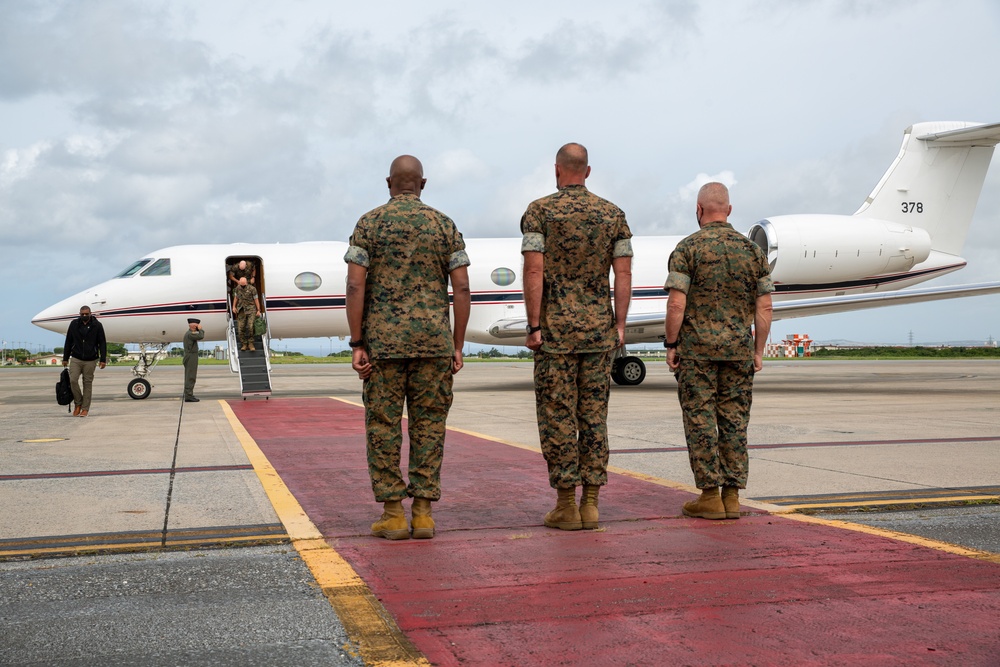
x=58 y=316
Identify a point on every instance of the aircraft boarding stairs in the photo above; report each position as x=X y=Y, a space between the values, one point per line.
x=254 y=368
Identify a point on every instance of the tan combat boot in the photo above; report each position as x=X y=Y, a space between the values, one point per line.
x=588 y=506
x=392 y=525
x=251 y=347
x=565 y=516
x=422 y=523
x=731 y=501
x=707 y=506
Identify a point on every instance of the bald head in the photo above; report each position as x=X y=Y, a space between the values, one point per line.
x=406 y=175
x=572 y=166
x=243 y=265
x=713 y=203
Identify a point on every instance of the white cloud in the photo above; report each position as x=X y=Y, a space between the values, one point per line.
x=147 y=124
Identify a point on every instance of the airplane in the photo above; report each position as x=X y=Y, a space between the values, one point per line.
x=910 y=229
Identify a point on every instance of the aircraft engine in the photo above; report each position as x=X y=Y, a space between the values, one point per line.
x=821 y=249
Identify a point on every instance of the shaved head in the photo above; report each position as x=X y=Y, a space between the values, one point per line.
x=572 y=158
x=243 y=264
x=406 y=174
x=713 y=203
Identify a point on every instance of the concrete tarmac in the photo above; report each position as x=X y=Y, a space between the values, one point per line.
x=146 y=476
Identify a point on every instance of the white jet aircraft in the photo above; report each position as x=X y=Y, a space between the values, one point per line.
x=910 y=229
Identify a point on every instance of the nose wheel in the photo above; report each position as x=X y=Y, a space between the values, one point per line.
x=139 y=388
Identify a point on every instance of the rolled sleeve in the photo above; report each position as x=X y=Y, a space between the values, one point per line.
x=533 y=242
x=623 y=248
x=765 y=285
x=458 y=259
x=357 y=255
x=678 y=281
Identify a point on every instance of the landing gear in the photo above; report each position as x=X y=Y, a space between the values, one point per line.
x=628 y=371
x=139 y=388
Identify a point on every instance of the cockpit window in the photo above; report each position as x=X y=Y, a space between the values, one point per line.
x=160 y=267
x=133 y=268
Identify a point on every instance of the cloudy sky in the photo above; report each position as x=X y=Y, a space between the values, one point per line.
x=130 y=126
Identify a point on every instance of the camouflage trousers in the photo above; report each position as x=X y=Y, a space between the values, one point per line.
x=715 y=398
x=425 y=387
x=571 y=403
x=244 y=326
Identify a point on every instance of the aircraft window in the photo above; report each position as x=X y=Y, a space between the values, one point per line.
x=160 y=267
x=133 y=268
x=308 y=281
x=502 y=276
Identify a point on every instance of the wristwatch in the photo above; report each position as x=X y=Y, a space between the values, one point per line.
x=356 y=343
x=671 y=346
x=530 y=329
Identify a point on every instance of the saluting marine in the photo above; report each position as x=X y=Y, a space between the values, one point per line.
x=191 y=337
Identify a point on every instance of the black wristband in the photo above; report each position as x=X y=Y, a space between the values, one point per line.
x=671 y=346
x=356 y=343
x=530 y=329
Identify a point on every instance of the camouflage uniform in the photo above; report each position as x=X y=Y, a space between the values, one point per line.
x=580 y=234
x=246 y=311
x=238 y=273
x=409 y=250
x=722 y=273
x=191 y=339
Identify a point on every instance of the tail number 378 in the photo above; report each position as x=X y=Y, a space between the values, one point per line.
x=913 y=207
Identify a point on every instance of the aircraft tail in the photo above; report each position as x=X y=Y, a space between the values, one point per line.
x=935 y=181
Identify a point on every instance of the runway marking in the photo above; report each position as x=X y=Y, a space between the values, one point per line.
x=926 y=496
x=902 y=537
x=843 y=443
x=380 y=641
x=30 y=547
x=106 y=473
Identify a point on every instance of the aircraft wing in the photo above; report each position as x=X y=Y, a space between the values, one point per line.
x=784 y=310
x=644 y=327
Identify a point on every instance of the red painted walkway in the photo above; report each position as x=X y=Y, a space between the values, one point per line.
x=653 y=588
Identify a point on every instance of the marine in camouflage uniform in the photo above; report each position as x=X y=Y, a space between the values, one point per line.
x=400 y=259
x=571 y=239
x=719 y=285
x=248 y=271
x=246 y=306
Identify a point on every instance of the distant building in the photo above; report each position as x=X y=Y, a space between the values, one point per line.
x=795 y=345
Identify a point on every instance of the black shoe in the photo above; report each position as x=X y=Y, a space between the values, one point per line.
x=191 y=399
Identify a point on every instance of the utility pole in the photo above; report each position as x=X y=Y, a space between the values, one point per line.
x=911 y=337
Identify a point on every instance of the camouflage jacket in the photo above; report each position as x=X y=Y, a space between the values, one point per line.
x=409 y=250
x=242 y=273
x=722 y=272
x=579 y=234
x=246 y=296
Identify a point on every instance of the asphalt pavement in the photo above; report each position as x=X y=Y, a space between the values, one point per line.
x=144 y=532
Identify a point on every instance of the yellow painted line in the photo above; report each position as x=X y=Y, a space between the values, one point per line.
x=45 y=440
x=379 y=640
x=902 y=501
x=902 y=537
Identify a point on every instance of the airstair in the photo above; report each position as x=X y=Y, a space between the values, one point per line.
x=254 y=368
